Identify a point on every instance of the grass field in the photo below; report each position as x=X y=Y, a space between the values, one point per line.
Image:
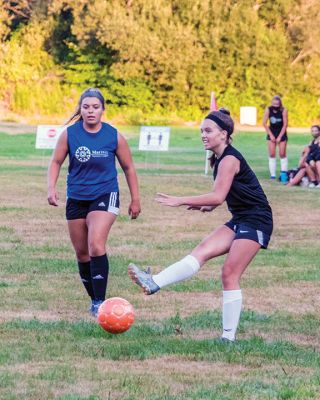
x=50 y=348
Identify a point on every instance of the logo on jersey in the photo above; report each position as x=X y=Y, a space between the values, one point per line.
x=274 y=120
x=83 y=154
x=99 y=153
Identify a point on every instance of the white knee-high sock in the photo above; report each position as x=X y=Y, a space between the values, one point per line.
x=232 y=303
x=272 y=166
x=177 y=272
x=284 y=164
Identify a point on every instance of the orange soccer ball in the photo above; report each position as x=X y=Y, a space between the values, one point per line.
x=116 y=315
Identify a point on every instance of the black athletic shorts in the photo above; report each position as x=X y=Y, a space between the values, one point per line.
x=309 y=158
x=244 y=231
x=283 y=139
x=314 y=156
x=79 y=209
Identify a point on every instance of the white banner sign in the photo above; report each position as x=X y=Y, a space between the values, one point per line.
x=248 y=116
x=154 y=138
x=47 y=136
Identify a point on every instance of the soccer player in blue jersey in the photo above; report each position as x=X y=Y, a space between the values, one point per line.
x=240 y=238
x=92 y=188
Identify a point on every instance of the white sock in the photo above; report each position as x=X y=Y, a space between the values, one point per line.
x=232 y=302
x=284 y=164
x=272 y=166
x=177 y=272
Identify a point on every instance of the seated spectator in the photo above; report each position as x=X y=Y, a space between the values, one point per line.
x=309 y=163
x=312 y=162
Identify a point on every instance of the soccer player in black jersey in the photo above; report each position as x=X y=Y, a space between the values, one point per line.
x=309 y=163
x=276 y=135
x=312 y=162
x=240 y=238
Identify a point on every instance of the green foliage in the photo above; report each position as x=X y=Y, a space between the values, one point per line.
x=160 y=59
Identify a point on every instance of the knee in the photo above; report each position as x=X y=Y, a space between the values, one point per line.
x=82 y=255
x=200 y=254
x=228 y=278
x=96 y=248
x=282 y=153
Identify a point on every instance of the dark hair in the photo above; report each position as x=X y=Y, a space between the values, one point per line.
x=224 y=122
x=316 y=126
x=279 y=100
x=91 y=92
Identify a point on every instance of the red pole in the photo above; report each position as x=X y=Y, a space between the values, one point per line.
x=213 y=102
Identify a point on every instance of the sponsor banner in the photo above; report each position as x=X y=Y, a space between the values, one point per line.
x=47 y=136
x=154 y=138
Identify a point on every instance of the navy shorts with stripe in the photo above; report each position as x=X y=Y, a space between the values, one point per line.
x=79 y=209
x=244 y=231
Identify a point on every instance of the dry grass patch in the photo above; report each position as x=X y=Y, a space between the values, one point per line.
x=298 y=298
x=103 y=378
x=167 y=304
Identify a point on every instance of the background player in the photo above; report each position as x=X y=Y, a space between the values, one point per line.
x=277 y=135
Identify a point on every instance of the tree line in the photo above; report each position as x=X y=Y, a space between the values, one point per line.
x=158 y=60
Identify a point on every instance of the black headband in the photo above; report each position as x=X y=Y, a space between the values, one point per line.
x=93 y=93
x=219 y=122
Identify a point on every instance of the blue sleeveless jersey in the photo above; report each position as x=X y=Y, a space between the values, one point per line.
x=92 y=170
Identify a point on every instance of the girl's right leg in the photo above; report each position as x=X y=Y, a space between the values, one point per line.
x=311 y=174
x=78 y=232
x=216 y=244
x=272 y=159
x=317 y=167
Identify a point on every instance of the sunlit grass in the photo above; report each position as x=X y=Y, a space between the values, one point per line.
x=52 y=349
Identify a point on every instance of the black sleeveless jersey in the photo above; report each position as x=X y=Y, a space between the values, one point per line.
x=246 y=199
x=276 y=120
x=313 y=146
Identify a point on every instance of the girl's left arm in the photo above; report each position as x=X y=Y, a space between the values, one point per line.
x=124 y=157
x=228 y=168
x=285 y=124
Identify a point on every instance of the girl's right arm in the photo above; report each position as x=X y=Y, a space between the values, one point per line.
x=265 y=124
x=58 y=157
x=303 y=157
x=227 y=170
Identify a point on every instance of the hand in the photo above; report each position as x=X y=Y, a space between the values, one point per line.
x=202 y=208
x=278 y=140
x=134 y=209
x=53 y=197
x=207 y=208
x=167 y=200
x=197 y=208
x=273 y=139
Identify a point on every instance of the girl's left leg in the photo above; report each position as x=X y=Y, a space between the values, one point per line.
x=241 y=253
x=283 y=156
x=99 y=224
